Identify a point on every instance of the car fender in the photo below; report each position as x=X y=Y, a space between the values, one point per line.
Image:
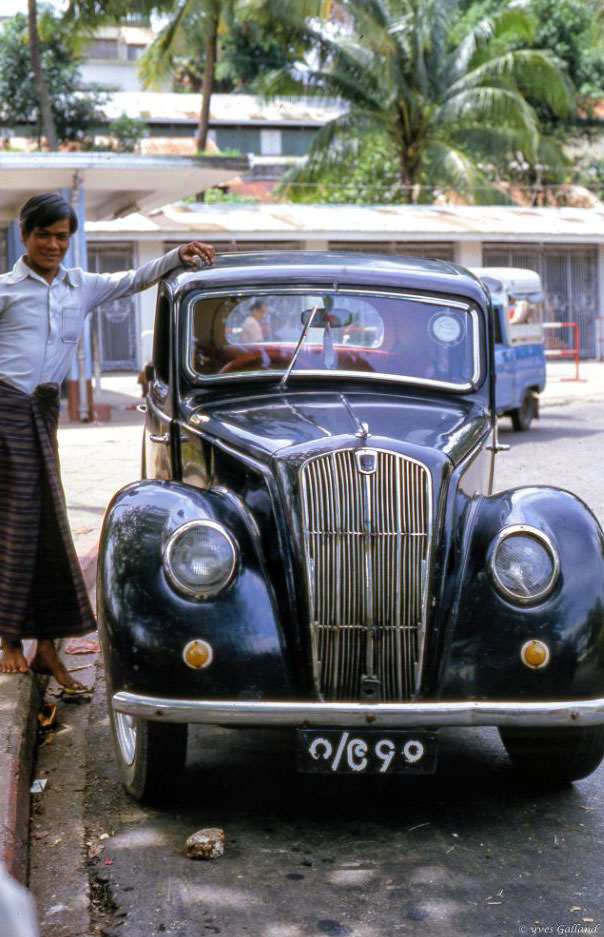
x=486 y=631
x=144 y=623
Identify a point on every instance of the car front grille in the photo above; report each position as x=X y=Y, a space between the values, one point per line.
x=367 y=521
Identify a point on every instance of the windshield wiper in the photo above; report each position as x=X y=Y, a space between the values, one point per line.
x=305 y=329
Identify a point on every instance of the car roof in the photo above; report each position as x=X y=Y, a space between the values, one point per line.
x=519 y=279
x=345 y=269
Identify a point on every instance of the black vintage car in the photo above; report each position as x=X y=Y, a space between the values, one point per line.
x=315 y=543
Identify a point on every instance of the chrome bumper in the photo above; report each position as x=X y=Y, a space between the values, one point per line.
x=588 y=712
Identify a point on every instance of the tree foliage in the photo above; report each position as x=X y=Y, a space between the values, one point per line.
x=75 y=113
x=193 y=30
x=249 y=51
x=571 y=29
x=443 y=107
x=127 y=132
x=96 y=12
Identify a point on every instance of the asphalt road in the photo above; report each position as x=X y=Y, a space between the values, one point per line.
x=470 y=851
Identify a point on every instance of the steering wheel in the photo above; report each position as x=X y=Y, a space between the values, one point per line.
x=250 y=359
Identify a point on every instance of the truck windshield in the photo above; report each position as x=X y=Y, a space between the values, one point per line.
x=348 y=333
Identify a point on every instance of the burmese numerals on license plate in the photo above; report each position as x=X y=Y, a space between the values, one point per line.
x=370 y=751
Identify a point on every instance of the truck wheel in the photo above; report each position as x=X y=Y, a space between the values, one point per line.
x=555 y=756
x=523 y=416
x=151 y=756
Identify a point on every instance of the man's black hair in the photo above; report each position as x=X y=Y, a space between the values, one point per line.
x=258 y=302
x=41 y=211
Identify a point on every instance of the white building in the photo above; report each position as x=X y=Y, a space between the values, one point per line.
x=132 y=216
x=566 y=246
x=111 y=59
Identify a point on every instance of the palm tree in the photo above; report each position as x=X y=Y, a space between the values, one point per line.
x=440 y=106
x=46 y=116
x=194 y=25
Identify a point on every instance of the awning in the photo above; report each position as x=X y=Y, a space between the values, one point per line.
x=114 y=184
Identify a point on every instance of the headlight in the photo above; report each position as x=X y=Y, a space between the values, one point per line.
x=524 y=564
x=200 y=558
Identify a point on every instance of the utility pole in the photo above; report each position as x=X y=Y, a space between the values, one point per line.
x=83 y=411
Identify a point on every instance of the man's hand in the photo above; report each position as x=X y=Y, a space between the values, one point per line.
x=197 y=254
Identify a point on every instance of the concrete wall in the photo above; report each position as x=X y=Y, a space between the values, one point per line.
x=468 y=253
x=120 y=75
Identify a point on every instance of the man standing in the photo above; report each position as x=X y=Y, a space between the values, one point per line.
x=42 y=310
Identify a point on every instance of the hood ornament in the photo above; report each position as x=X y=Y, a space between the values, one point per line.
x=362 y=428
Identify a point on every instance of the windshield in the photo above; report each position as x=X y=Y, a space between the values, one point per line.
x=372 y=335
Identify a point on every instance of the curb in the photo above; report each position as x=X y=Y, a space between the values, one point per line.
x=16 y=764
x=22 y=697
x=9 y=812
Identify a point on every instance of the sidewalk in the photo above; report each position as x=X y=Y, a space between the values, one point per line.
x=97 y=459
x=561 y=388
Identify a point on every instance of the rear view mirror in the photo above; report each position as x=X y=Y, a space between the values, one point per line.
x=335 y=318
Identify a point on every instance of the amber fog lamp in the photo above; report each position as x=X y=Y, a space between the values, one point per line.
x=198 y=654
x=535 y=654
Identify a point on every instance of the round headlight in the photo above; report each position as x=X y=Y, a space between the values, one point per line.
x=524 y=564
x=200 y=558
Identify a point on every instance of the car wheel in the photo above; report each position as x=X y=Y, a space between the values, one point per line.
x=523 y=416
x=151 y=756
x=555 y=756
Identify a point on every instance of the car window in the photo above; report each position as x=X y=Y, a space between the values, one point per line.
x=525 y=318
x=352 y=332
x=497 y=312
x=161 y=340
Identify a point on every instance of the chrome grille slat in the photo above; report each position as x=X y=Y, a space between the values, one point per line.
x=367 y=541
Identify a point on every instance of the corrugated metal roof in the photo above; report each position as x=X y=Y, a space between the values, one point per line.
x=375 y=223
x=224 y=108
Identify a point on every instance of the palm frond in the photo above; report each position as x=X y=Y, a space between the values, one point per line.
x=490 y=107
x=446 y=166
x=511 y=20
x=532 y=71
x=487 y=143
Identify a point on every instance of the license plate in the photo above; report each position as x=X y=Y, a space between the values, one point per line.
x=370 y=751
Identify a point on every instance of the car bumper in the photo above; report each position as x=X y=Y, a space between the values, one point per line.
x=588 y=712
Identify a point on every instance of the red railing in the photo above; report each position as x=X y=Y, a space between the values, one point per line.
x=600 y=337
x=563 y=342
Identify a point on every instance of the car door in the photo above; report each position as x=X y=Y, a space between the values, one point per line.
x=505 y=361
x=157 y=461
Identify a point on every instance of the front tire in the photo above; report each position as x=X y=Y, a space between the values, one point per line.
x=523 y=416
x=555 y=756
x=151 y=756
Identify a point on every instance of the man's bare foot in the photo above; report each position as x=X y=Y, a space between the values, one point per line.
x=12 y=659
x=46 y=660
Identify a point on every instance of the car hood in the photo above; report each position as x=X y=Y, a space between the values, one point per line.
x=279 y=425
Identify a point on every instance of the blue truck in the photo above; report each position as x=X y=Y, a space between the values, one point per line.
x=518 y=299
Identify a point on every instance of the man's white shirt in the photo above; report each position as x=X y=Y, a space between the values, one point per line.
x=40 y=322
